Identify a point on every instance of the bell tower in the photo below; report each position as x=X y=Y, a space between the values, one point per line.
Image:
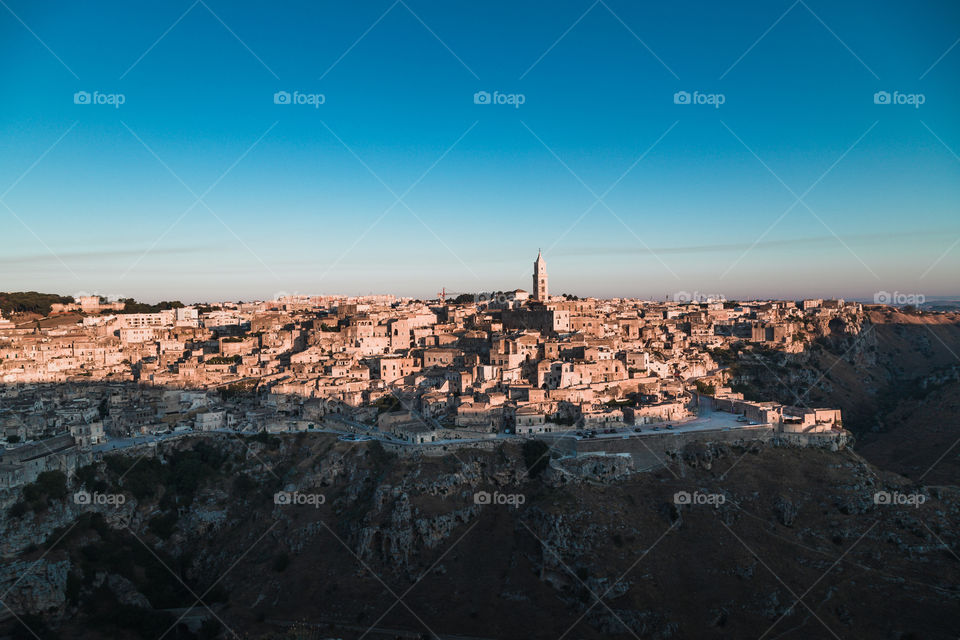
x=540 y=293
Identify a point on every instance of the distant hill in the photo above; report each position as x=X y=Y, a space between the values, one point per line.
x=36 y=302
x=30 y=301
x=952 y=304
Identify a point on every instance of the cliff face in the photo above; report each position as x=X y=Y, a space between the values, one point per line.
x=896 y=377
x=720 y=542
x=34 y=585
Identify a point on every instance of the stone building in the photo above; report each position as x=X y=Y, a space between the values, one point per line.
x=540 y=290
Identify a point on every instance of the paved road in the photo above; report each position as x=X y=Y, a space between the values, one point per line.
x=125 y=443
x=707 y=421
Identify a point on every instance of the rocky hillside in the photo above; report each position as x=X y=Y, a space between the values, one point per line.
x=896 y=376
x=306 y=536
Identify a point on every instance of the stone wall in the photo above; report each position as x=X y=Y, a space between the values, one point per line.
x=651 y=451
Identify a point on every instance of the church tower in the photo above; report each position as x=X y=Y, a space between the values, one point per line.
x=540 y=279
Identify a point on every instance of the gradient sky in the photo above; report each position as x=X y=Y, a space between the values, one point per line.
x=400 y=183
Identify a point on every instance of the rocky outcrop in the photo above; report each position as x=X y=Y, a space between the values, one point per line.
x=394 y=533
x=35 y=586
x=591 y=468
x=786 y=511
x=18 y=534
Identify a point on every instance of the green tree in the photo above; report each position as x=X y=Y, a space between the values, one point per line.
x=132 y=306
x=706 y=389
x=30 y=302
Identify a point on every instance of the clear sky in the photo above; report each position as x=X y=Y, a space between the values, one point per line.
x=199 y=186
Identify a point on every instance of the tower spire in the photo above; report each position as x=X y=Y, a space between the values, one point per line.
x=540 y=278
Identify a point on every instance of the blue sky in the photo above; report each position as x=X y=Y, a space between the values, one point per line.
x=200 y=187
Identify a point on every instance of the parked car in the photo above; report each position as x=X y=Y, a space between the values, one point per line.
x=637 y=429
x=670 y=426
x=656 y=428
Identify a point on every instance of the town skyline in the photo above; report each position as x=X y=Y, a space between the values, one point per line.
x=539 y=274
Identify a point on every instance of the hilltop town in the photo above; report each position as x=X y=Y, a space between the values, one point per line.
x=89 y=377
x=293 y=457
